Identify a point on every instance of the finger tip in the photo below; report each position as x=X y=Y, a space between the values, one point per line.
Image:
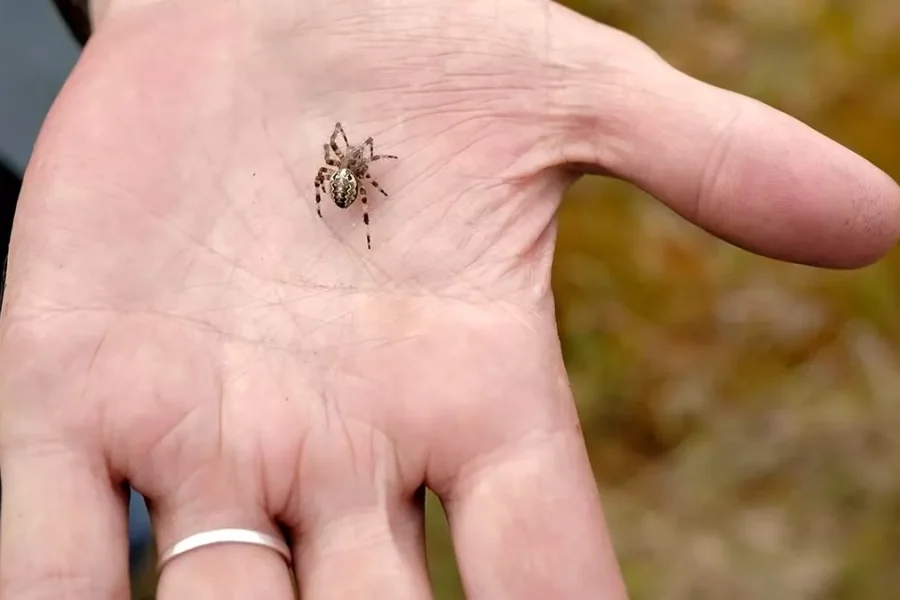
x=826 y=206
x=871 y=220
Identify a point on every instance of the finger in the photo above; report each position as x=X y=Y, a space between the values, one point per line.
x=738 y=168
x=365 y=552
x=63 y=527
x=527 y=525
x=230 y=570
x=360 y=528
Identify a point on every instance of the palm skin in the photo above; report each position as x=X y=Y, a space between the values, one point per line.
x=178 y=317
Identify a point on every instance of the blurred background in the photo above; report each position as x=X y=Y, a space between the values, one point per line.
x=742 y=416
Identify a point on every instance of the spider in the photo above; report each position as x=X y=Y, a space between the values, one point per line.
x=345 y=171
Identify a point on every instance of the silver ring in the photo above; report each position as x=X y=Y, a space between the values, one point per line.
x=225 y=536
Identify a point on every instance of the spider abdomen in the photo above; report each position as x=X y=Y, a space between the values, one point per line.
x=344 y=187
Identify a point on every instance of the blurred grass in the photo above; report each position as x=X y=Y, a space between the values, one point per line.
x=741 y=414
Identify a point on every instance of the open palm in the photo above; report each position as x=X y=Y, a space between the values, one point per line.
x=178 y=316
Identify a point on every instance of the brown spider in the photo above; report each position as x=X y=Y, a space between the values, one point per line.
x=346 y=170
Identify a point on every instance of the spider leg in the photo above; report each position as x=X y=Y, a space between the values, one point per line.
x=338 y=128
x=375 y=184
x=343 y=135
x=329 y=159
x=372 y=156
x=365 y=204
x=320 y=183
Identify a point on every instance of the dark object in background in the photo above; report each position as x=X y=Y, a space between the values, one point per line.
x=75 y=14
x=10 y=185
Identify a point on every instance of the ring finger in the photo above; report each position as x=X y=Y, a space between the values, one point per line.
x=222 y=570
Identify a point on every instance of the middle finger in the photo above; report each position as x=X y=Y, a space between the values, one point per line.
x=360 y=531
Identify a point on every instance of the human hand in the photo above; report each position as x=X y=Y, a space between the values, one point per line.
x=179 y=317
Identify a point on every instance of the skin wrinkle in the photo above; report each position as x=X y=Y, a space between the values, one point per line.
x=55 y=447
x=170 y=227
x=157 y=446
x=200 y=317
x=431 y=169
x=362 y=464
x=44 y=584
x=357 y=29
x=89 y=371
x=220 y=399
x=428 y=26
x=469 y=150
x=612 y=108
x=345 y=430
x=473 y=470
x=720 y=155
x=275 y=492
x=289 y=512
x=160 y=447
x=31 y=388
x=445 y=475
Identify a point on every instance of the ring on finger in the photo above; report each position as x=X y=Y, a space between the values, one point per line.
x=225 y=536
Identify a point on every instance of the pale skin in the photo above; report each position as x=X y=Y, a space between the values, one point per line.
x=178 y=317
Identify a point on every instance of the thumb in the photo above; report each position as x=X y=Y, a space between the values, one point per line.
x=742 y=170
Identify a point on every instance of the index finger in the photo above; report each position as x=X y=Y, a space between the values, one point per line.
x=527 y=524
x=63 y=528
